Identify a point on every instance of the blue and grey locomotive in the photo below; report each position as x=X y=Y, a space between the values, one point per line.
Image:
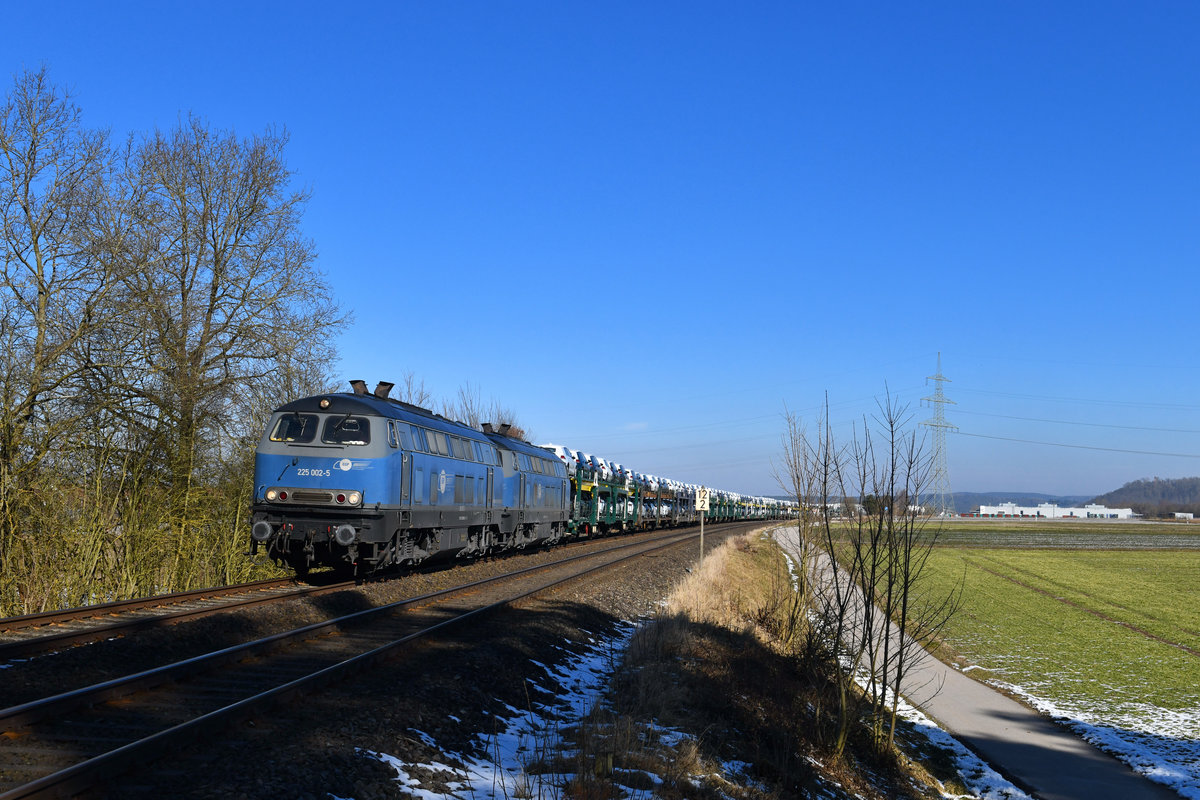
x=361 y=481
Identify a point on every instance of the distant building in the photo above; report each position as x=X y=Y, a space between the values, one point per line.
x=1052 y=511
x=1183 y=515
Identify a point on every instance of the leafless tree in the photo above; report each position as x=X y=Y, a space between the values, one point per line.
x=55 y=284
x=224 y=295
x=413 y=391
x=869 y=570
x=156 y=301
x=230 y=287
x=470 y=408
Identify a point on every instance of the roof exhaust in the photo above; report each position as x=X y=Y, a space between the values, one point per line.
x=504 y=428
x=383 y=389
x=487 y=428
x=360 y=387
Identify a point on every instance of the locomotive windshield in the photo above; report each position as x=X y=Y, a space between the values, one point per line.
x=295 y=428
x=346 y=430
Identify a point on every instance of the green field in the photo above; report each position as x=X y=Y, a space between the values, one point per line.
x=1087 y=629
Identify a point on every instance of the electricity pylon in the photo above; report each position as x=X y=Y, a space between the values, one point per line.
x=940 y=492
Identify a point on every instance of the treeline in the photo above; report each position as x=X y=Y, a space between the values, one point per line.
x=157 y=298
x=1153 y=497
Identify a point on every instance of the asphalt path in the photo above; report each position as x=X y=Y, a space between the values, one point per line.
x=1039 y=756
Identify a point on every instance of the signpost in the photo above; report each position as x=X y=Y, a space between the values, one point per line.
x=702 y=507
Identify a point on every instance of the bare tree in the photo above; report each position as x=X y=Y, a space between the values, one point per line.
x=868 y=571
x=413 y=391
x=797 y=476
x=55 y=281
x=468 y=407
x=156 y=302
x=471 y=409
x=226 y=295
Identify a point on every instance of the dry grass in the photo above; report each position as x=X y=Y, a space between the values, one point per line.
x=722 y=665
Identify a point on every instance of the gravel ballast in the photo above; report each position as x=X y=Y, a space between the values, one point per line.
x=453 y=689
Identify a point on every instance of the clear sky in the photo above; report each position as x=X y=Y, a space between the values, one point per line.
x=649 y=226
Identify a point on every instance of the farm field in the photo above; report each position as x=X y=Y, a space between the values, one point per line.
x=1106 y=639
x=1094 y=535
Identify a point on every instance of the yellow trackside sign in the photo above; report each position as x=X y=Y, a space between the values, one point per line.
x=702 y=499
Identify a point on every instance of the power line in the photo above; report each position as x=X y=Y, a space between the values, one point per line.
x=1079 y=446
x=1086 y=401
x=1077 y=422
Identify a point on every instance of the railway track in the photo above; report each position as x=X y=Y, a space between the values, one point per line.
x=62 y=744
x=34 y=634
x=21 y=637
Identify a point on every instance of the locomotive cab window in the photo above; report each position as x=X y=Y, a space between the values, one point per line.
x=295 y=428
x=346 y=430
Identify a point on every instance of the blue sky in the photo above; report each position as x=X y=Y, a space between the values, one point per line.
x=648 y=227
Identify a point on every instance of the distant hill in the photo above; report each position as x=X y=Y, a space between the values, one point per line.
x=1155 y=496
x=969 y=501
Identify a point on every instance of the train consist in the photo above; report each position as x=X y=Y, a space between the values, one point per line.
x=359 y=481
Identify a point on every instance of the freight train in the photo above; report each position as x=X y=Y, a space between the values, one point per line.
x=359 y=481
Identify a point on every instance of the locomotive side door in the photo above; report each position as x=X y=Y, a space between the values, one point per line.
x=405 y=478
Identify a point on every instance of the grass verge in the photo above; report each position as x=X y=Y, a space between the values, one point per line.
x=721 y=696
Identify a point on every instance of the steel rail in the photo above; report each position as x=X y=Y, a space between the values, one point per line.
x=18 y=648
x=34 y=644
x=83 y=774
x=136 y=604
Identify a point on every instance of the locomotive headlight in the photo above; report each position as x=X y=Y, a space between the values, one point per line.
x=272 y=495
x=355 y=498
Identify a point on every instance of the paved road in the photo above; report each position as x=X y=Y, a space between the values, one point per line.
x=1026 y=747
x=1041 y=757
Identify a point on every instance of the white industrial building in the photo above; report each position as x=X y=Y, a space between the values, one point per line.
x=1052 y=511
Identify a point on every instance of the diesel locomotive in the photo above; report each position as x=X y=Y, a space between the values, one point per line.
x=359 y=481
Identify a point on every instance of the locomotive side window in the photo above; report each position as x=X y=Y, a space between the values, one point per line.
x=346 y=430
x=295 y=428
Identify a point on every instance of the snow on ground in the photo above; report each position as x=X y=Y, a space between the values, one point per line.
x=1162 y=744
x=984 y=782
x=524 y=737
